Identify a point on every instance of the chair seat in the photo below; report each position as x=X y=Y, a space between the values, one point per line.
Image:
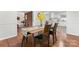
x=39 y=36
x=44 y=36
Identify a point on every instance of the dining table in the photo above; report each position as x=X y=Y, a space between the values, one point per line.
x=34 y=31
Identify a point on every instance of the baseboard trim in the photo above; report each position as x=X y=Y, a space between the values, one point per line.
x=72 y=35
x=8 y=37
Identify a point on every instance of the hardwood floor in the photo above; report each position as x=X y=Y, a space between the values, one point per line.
x=71 y=41
x=63 y=40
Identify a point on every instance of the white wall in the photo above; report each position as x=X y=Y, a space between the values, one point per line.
x=36 y=22
x=59 y=16
x=8 y=26
x=73 y=22
x=21 y=15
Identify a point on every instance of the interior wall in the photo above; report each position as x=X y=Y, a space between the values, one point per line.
x=21 y=15
x=73 y=22
x=59 y=16
x=53 y=15
x=36 y=22
x=8 y=24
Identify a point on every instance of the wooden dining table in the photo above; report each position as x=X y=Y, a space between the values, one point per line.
x=33 y=31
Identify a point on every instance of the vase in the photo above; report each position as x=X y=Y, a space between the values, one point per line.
x=41 y=24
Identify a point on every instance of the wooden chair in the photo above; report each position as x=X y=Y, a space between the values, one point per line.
x=44 y=36
x=28 y=41
x=53 y=32
x=24 y=41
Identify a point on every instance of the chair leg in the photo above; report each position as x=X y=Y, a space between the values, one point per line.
x=39 y=41
x=48 y=40
x=24 y=41
x=53 y=38
x=34 y=42
x=22 y=44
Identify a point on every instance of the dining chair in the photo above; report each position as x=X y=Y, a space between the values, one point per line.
x=30 y=40
x=27 y=41
x=24 y=41
x=53 y=32
x=17 y=28
x=43 y=36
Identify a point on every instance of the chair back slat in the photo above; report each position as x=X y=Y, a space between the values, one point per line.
x=55 y=27
x=46 y=28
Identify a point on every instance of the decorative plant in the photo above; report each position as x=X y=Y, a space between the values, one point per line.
x=41 y=17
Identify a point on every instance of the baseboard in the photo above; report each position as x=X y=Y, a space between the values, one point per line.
x=8 y=37
x=72 y=35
